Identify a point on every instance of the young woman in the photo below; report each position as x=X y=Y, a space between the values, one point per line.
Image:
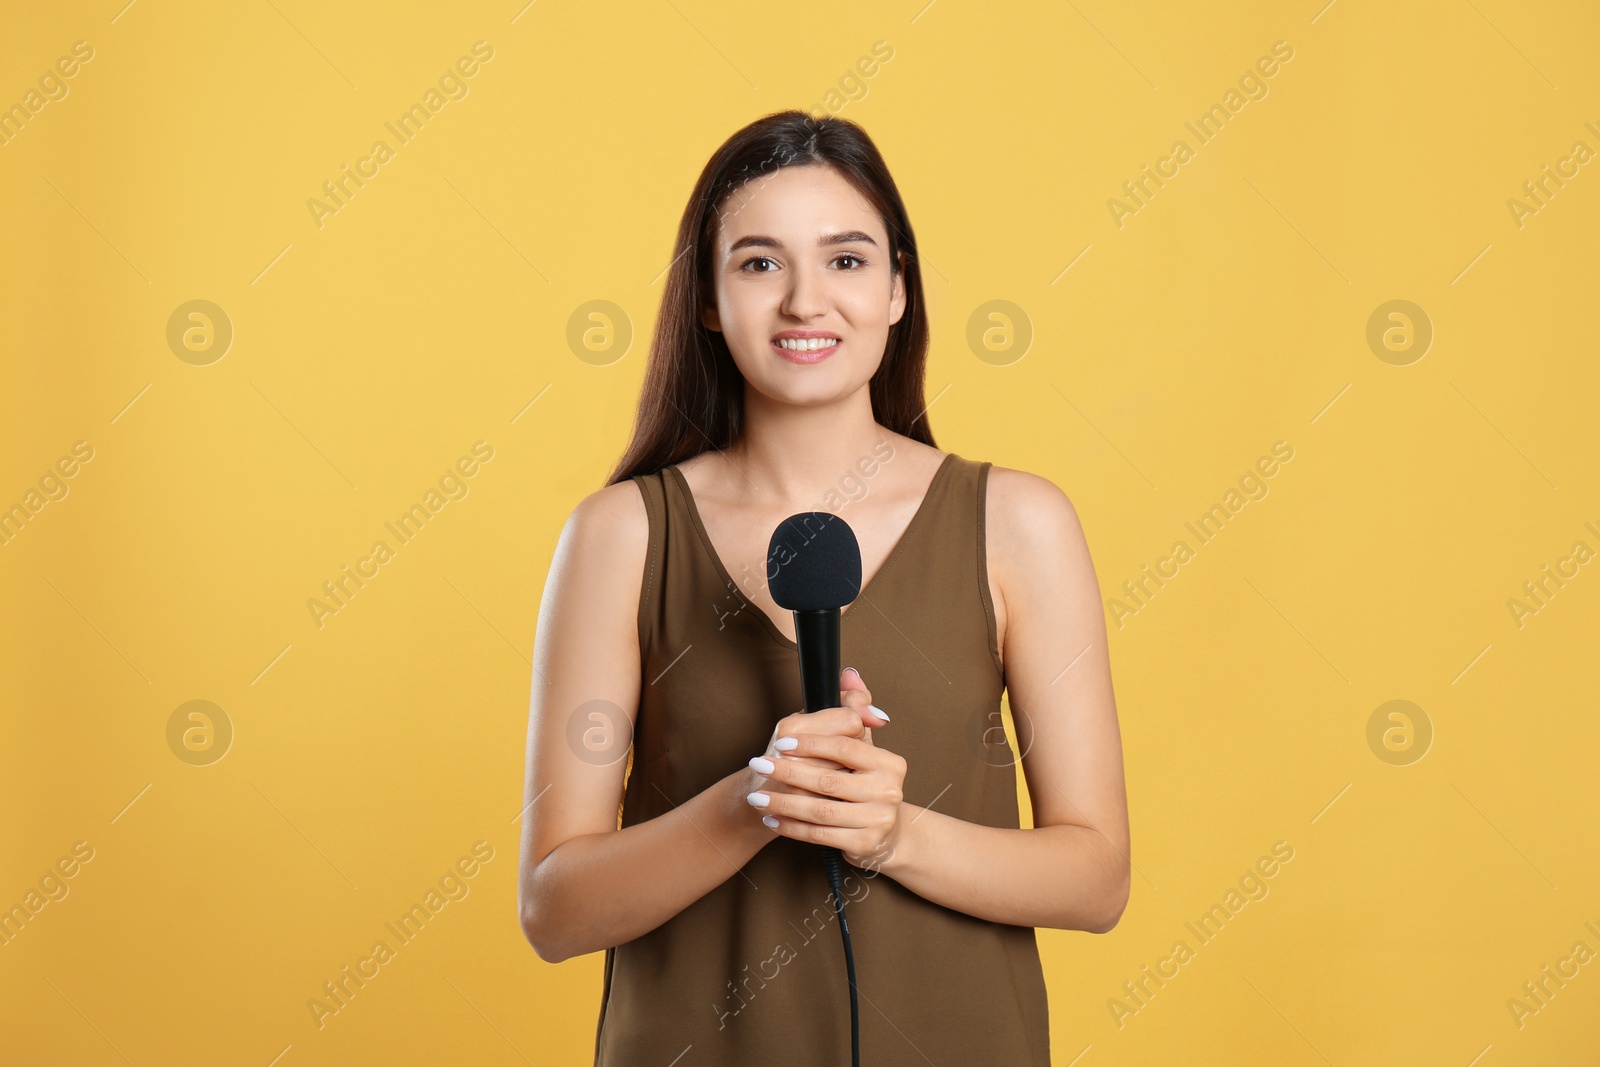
x=786 y=375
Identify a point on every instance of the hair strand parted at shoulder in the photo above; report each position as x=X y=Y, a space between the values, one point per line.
x=692 y=397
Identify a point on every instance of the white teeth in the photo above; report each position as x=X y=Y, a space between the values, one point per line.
x=807 y=344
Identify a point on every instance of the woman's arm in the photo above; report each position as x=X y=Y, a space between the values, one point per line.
x=1071 y=871
x=584 y=884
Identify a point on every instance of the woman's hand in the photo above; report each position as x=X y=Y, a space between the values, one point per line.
x=824 y=781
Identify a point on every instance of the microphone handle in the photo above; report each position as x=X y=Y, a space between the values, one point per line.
x=817 y=634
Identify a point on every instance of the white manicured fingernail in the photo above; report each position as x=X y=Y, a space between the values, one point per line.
x=761 y=764
x=879 y=712
x=786 y=744
x=759 y=800
x=770 y=821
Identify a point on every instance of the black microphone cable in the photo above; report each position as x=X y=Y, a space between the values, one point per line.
x=833 y=860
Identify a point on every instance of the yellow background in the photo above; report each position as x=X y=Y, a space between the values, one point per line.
x=369 y=354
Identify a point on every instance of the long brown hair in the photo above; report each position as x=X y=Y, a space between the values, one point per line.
x=692 y=398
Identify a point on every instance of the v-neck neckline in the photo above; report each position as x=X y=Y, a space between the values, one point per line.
x=771 y=627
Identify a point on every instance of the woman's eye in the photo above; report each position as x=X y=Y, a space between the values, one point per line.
x=757 y=259
x=851 y=255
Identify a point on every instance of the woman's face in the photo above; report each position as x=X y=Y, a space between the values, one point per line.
x=800 y=254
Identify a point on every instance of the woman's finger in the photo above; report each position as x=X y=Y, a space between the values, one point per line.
x=845 y=721
x=829 y=780
x=819 y=811
x=764 y=782
x=854 y=694
x=837 y=722
x=850 y=752
x=774 y=751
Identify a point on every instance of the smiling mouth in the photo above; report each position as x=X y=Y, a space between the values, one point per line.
x=806 y=350
x=806 y=344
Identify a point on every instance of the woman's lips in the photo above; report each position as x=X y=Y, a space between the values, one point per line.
x=816 y=355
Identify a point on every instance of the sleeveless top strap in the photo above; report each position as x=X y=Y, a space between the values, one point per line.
x=655 y=506
x=983 y=567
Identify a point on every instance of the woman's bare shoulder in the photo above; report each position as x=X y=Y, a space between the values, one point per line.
x=607 y=531
x=1038 y=557
x=1027 y=514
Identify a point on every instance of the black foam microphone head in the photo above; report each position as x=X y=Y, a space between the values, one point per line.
x=813 y=562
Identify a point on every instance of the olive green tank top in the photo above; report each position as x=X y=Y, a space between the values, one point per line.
x=754 y=971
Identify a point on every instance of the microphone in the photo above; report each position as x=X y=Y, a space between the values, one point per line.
x=814 y=568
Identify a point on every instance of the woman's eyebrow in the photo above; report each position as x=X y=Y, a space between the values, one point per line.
x=848 y=237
